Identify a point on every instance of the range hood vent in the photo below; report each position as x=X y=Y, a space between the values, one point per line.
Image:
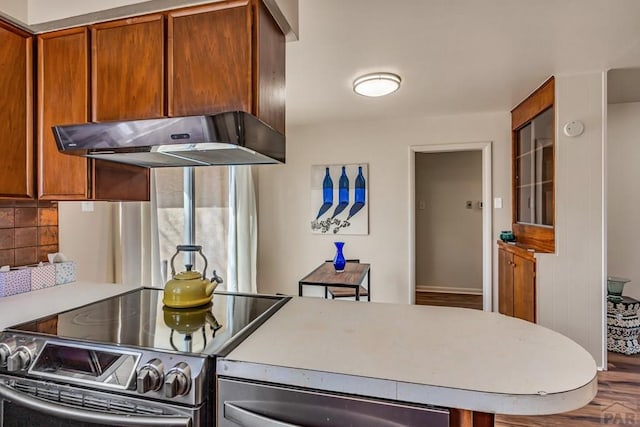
x=231 y=138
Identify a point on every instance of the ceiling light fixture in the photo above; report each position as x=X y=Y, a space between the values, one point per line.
x=376 y=84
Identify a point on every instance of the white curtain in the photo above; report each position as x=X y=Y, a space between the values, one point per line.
x=137 y=257
x=243 y=231
x=137 y=245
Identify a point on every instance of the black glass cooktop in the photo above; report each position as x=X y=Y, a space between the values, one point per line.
x=140 y=319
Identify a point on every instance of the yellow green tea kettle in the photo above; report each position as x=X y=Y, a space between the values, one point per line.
x=189 y=288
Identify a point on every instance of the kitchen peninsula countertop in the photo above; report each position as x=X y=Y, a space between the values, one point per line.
x=16 y=309
x=451 y=357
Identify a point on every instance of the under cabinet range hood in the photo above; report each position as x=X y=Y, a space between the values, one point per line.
x=231 y=138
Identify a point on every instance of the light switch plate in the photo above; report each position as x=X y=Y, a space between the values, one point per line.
x=497 y=203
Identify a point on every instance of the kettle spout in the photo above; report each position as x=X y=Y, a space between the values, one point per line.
x=215 y=281
x=216 y=278
x=210 y=288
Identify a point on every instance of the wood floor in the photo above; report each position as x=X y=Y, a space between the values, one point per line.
x=617 y=402
x=449 y=300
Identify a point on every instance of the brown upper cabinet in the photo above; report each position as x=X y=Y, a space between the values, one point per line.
x=63 y=98
x=237 y=66
x=533 y=193
x=16 y=113
x=127 y=81
x=227 y=55
x=127 y=69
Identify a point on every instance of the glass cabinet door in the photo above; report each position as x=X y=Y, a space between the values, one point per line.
x=534 y=171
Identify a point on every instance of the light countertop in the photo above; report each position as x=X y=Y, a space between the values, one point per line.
x=449 y=357
x=28 y=306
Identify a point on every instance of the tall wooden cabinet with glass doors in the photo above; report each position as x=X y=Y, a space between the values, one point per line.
x=533 y=202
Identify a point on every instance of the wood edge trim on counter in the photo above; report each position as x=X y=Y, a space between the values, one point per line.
x=518 y=249
x=541 y=99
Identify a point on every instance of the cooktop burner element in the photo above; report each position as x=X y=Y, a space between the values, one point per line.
x=140 y=319
x=132 y=344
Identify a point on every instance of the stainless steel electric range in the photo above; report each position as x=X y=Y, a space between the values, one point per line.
x=126 y=360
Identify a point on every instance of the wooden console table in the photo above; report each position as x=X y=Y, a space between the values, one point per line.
x=325 y=275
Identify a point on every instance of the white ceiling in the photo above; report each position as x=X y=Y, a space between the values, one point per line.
x=455 y=56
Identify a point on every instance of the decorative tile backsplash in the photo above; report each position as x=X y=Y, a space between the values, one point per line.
x=28 y=231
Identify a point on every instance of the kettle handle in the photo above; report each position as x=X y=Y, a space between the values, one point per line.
x=189 y=248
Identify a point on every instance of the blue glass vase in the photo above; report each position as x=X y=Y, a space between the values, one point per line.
x=338 y=261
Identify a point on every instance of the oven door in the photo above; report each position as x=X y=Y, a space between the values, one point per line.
x=244 y=403
x=25 y=402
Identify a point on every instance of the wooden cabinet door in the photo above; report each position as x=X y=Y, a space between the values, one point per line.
x=209 y=59
x=271 y=70
x=127 y=75
x=127 y=78
x=524 y=289
x=505 y=282
x=16 y=113
x=63 y=98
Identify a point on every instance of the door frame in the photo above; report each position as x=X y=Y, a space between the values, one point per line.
x=487 y=246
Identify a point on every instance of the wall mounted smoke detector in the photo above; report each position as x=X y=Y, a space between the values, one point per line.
x=573 y=128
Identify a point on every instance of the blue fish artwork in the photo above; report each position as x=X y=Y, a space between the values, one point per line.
x=343 y=193
x=327 y=193
x=359 y=196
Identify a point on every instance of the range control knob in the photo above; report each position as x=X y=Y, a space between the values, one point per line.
x=178 y=381
x=6 y=348
x=22 y=357
x=150 y=376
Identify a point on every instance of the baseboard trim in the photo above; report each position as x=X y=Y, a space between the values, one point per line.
x=448 y=290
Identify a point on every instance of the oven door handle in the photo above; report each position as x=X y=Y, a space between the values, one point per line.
x=67 y=412
x=247 y=418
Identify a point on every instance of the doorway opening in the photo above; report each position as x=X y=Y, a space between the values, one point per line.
x=450 y=225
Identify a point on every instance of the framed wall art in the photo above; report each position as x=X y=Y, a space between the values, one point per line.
x=340 y=199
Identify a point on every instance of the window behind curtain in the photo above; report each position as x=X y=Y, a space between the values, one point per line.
x=212 y=216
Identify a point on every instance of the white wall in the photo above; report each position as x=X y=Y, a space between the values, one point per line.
x=16 y=9
x=570 y=281
x=448 y=234
x=87 y=238
x=47 y=10
x=286 y=248
x=623 y=197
